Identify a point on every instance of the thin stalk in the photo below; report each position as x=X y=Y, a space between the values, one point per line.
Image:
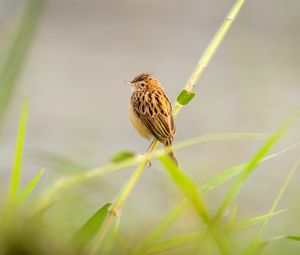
x=120 y=200
x=254 y=245
x=213 y=46
x=50 y=195
x=178 y=210
x=280 y=194
x=254 y=162
x=211 y=50
x=192 y=82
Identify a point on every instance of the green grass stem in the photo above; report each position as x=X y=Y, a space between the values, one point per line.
x=254 y=162
x=49 y=195
x=256 y=244
x=157 y=232
x=17 y=166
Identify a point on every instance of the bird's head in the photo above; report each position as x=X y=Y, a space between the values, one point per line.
x=143 y=82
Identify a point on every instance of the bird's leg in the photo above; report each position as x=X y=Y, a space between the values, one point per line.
x=149 y=150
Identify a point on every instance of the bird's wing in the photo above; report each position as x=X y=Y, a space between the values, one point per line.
x=155 y=111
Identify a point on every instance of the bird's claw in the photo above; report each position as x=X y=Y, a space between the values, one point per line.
x=148 y=164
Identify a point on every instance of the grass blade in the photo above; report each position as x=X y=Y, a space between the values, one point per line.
x=65 y=182
x=89 y=229
x=177 y=241
x=58 y=162
x=254 y=220
x=157 y=232
x=27 y=191
x=194 y=196
x=253 y=246
x=258 y=246
x=112 y=237
x=17 y=52
x=233 y=191
x=159 y=229
x=16 y=171
x=196 y=236
x=236 y=170
x=187 y=187
x=281 y=192
x=219 y=137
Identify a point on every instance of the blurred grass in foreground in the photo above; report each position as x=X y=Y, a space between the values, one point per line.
x=25 y=226
x=29 y=223
x=14 y=53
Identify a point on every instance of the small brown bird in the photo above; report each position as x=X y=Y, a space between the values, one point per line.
x=151 y=111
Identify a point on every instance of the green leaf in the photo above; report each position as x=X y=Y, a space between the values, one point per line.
x=121 y=156
x=89 y=229
x=194 y=196
x=31 y=185
x=295 y=238
x=185 y=97
x=187 y=187
x=16 y=171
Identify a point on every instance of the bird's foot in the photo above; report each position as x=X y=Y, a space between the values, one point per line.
x=148 y=162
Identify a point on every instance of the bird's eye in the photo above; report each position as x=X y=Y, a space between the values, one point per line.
x=142 y=85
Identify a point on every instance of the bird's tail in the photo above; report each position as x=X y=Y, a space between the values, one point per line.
x=171 y=153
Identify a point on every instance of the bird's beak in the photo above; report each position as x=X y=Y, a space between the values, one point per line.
x=129 y=83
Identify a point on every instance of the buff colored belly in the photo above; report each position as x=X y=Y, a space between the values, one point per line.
x=139 y=126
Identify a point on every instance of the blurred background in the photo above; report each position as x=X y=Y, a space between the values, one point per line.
x=72 y=58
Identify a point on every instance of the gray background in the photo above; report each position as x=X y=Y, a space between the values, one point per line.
x=84 y=50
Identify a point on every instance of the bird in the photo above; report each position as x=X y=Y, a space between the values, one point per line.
x=151 y=111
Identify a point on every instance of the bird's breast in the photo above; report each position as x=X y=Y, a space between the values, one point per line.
x=138 y=124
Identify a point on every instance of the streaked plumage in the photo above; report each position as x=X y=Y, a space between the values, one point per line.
x=151 y=110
